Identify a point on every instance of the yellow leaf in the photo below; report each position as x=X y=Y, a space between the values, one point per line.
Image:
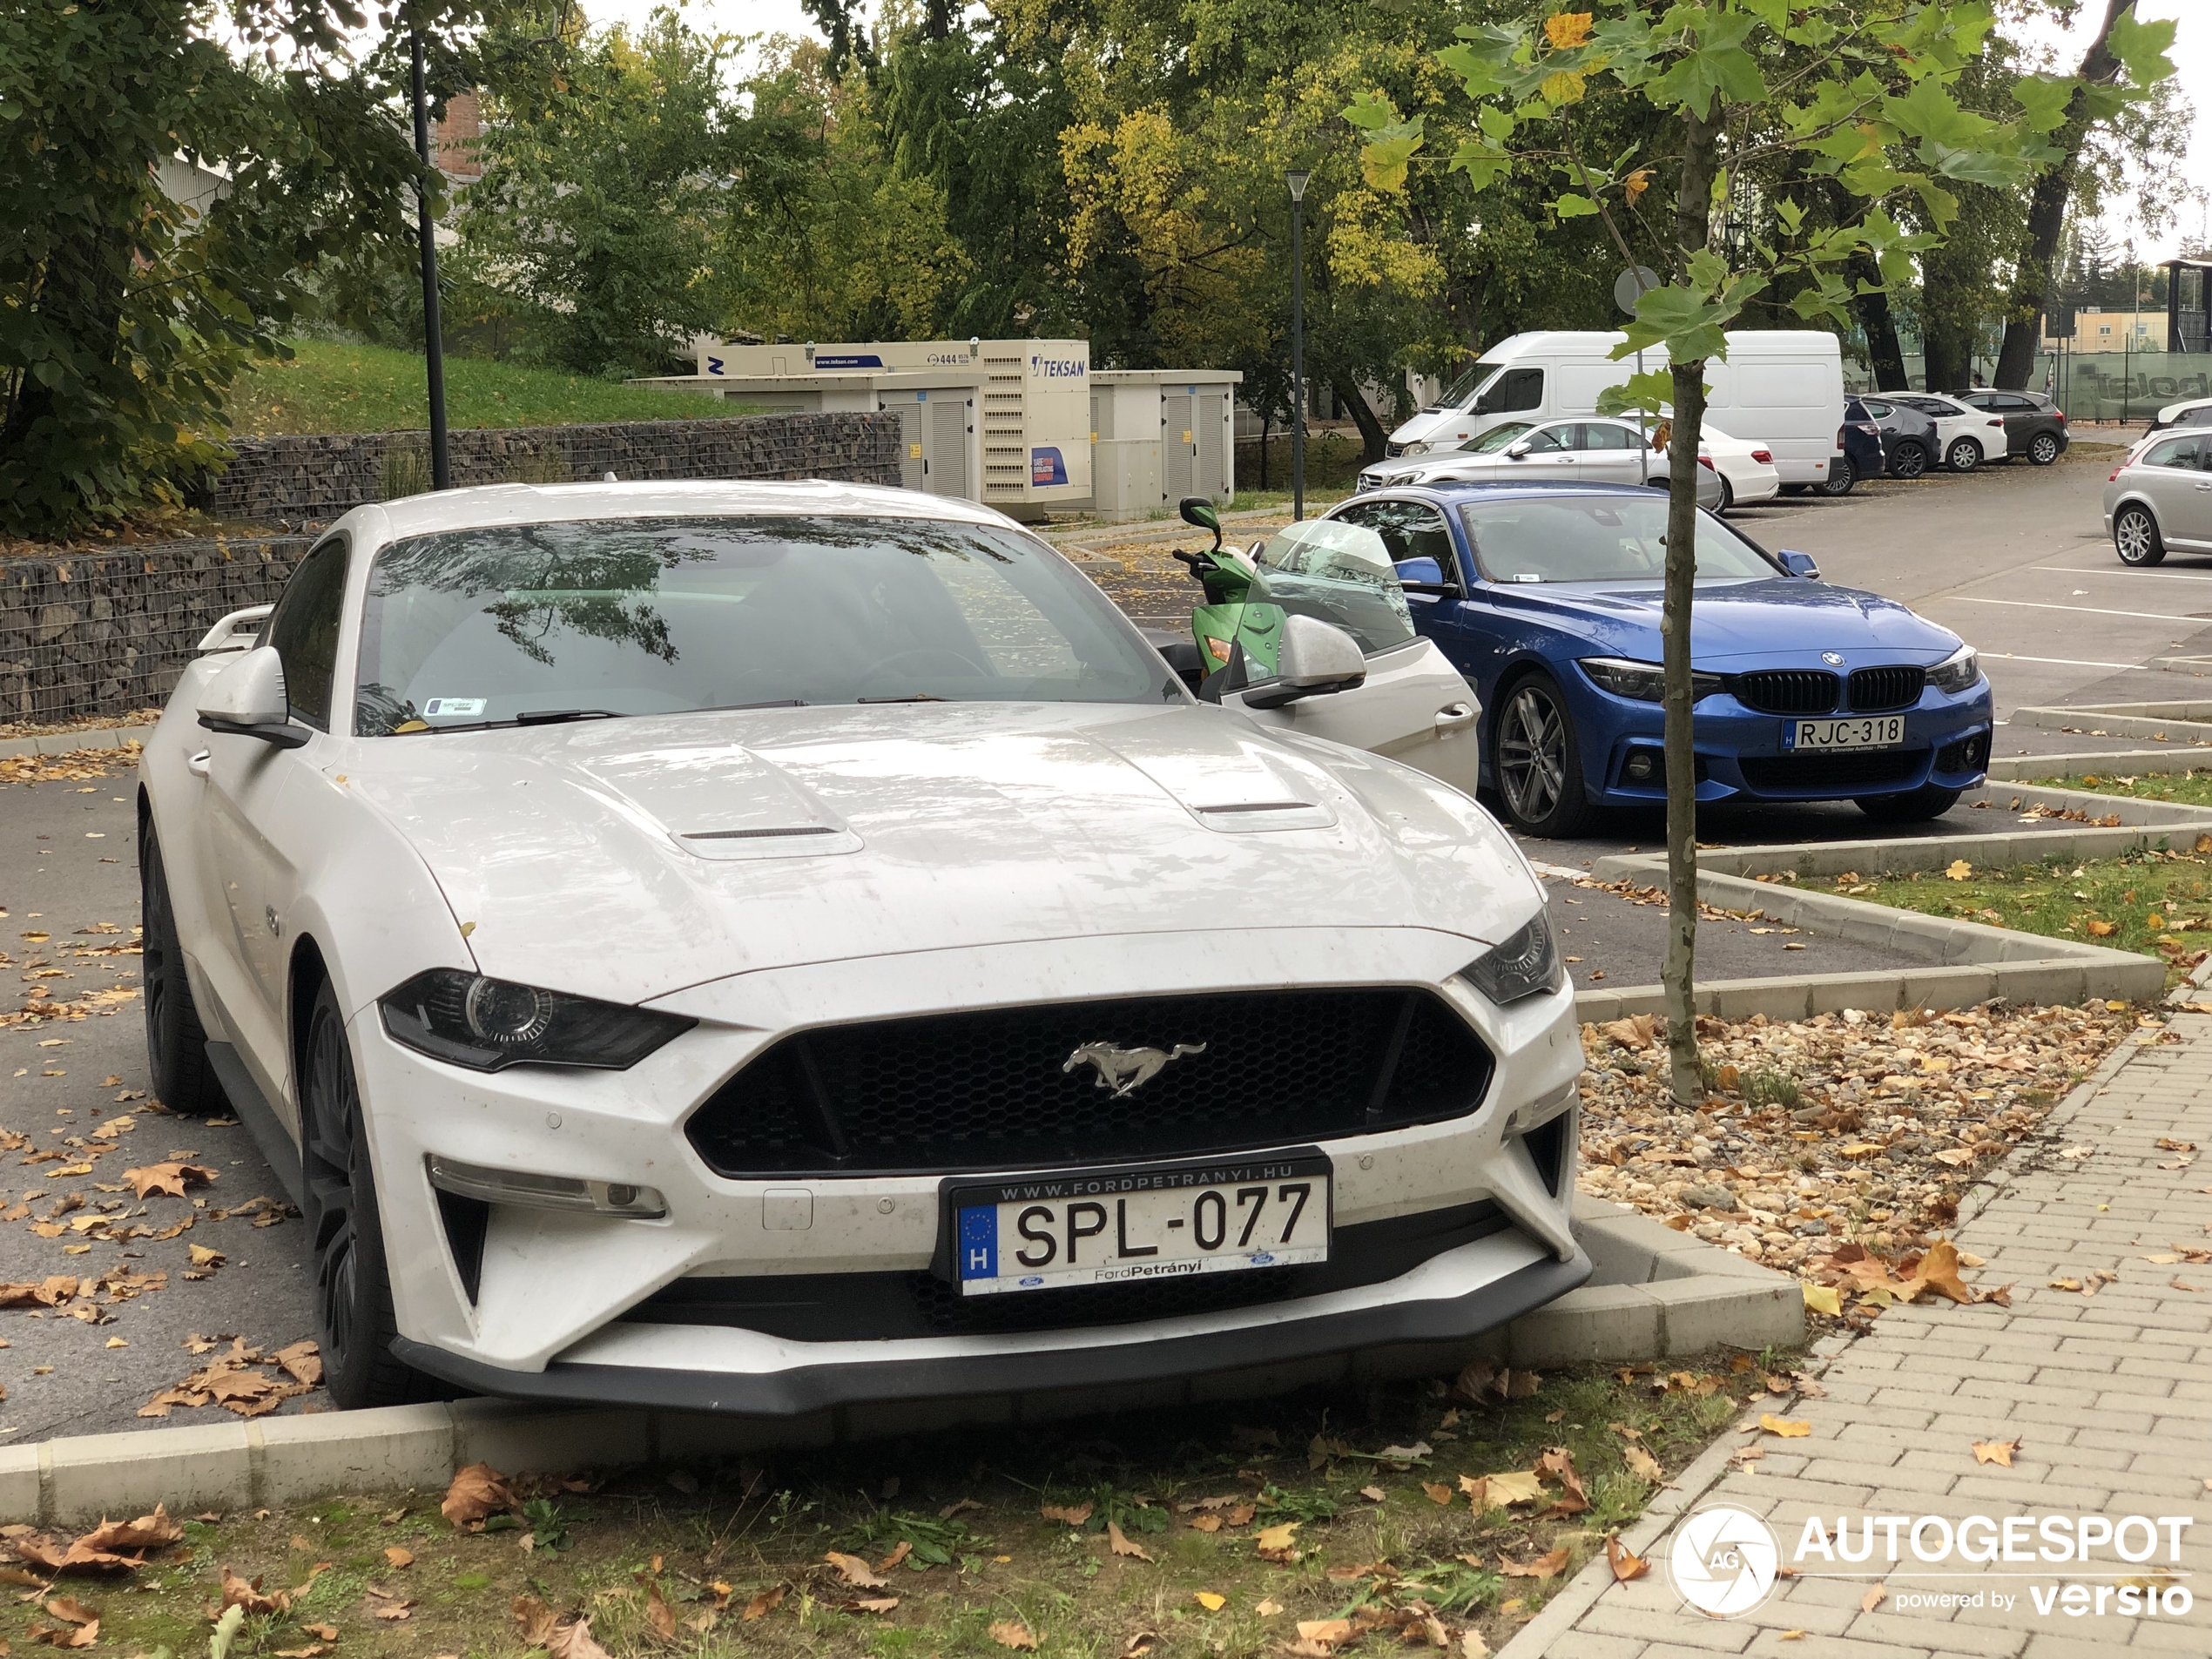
x=1633 y=186
x=1642 y=1464
x=1625 y=1562
x=1873 y=1598
x=1327 y=1632
x=1563 y=87
x=1824 y=1298
x=1212 y=1603
x=1784 y=1427
x=1438 y=1492
x=1997 y=1452
x=1958 y=870
x=1276 y=1537
x=1567 y=29
x=1519 y=1486
x=2100 y=929
x=1009 y=1633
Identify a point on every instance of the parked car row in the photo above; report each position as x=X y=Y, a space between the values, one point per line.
x=1915 y=431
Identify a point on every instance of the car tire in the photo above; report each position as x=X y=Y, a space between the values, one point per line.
x=1910 y=461
x=2043 y=449
x=183 y=1078
x=1841 y=476
x=1728 y=497
x=2135 y=538
x=1963 y=455
x=1536 y=759
x=1913 y=806
x=355 y=1324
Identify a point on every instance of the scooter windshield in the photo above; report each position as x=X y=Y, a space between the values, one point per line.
x=1337 y=572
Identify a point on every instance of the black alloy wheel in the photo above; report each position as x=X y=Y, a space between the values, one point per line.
x=1963 y=455
x=1909 y=460
x=353 y=1291
x=1537 y=761
x=1913 y=806
x=183 y=1078
x=1841 y=476
x=2044 y=449
x=2135 y=538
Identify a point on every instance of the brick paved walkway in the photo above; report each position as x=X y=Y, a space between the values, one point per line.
x=2110 y=1396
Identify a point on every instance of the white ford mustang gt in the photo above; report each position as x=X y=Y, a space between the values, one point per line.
x=760 y=947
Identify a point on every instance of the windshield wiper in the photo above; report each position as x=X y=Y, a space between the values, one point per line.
x=773 y=703
x=918 y=697
x=554 y=717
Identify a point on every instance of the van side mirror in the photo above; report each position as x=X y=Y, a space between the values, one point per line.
x=1314 y=659
x=247 y=699
x=1197 y=509
x=1798 y=564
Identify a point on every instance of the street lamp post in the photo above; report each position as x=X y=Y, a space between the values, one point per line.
x=1296 y=180
x=433 y=344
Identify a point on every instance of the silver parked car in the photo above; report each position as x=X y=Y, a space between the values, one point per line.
x=2161 y=496
x=1586 y=451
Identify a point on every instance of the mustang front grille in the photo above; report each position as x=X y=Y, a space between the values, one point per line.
x=1061 y=1083
x=1786 y=690
x=1878 y=690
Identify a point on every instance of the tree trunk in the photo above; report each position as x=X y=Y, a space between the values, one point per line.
x=1266 y=431
x=1872 y=309
x=1372 y=439
x=1679 y=975
x=2031 y=293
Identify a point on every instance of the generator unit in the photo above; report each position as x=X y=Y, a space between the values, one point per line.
x=1159 y=434
x=1033 y=404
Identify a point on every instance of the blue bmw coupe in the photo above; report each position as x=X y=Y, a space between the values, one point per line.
x=1546 y=596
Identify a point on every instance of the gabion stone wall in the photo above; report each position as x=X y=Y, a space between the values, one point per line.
x=105 y=633
x=314 y=479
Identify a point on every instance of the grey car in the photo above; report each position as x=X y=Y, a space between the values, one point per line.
x=2161 y=496
x=1909 y=447
x=2034 y=425
x=1586 y=451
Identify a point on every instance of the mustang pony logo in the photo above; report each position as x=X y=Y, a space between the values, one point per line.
x=1122 y=1070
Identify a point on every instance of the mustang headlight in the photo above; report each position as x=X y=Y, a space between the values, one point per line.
x=1958 y=671
x=489 y=1024
x=1645 y=682
x=1522 y=965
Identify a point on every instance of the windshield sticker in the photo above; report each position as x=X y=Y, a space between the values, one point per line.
x=438 y=706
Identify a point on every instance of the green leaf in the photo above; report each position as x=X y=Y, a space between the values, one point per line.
x=1496 y=123
x=1789 y=213
x=1572 y=206
x=2044 y=97
x=1929 y=112
x=1651 y=392
x=1975 y=166
x=1383 y=163
x=1371 y=111
x=2142 y=47
x=1715 y=65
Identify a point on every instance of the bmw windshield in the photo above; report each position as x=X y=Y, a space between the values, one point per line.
x=521 y=623
x=1598 y=538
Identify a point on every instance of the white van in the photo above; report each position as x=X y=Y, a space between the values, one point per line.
x=1782 y=389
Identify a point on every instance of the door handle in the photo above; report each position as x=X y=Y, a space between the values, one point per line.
x=199 y=762
x=1453 y=716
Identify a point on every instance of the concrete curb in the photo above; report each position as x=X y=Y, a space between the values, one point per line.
x=1659 y=1293
x=62 y=743
x=2166 y=721
x=2006 y=768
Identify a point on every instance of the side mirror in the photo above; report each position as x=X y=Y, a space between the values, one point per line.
x=1314 y=659
x=1199 y=510
x=247 y=700
x=1518 y=451
x=1798 y=564
x=1424 y=576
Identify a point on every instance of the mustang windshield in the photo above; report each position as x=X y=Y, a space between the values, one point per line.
x=1598 y=538
x=661 y=615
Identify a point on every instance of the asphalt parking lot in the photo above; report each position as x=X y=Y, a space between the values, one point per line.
x=2013 y=558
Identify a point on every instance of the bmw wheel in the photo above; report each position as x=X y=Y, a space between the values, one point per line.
x=353 y=1289
x=1963 y=455
x=1537 y=761
x=2135 y=538
x=176 y=1045
x=1913 y=806
x=1841 y=476
x=2045 y=448
x=1910 y=460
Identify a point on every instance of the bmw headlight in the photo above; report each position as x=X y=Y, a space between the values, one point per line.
x=489 y=1024
x=1644 y=682
x=1524 y=965
x=1958 y=671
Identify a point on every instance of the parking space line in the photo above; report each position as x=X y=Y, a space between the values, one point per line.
x=2061 y=662
x=2163 y=576
x=2080 y=611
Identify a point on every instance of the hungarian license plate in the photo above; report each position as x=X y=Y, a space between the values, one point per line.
x=1052 y=1231
x=1866 y=731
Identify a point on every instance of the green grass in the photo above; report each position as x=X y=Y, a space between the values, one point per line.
x=2156 y=903
x=329 y=386
x=2191 y=788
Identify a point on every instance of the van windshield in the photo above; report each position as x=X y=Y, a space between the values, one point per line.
x=1462 y=392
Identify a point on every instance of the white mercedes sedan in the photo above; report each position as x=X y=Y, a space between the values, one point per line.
x=756 y=948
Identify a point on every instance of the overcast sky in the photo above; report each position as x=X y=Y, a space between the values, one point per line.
x=2192 y=56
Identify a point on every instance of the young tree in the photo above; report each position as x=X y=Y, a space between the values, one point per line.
x=1850 y=94
x=127 y=311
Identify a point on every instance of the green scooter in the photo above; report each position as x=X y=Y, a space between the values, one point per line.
x=1229 y=618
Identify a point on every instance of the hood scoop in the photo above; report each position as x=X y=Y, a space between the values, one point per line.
x=1232 y=785
x=724 y=804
